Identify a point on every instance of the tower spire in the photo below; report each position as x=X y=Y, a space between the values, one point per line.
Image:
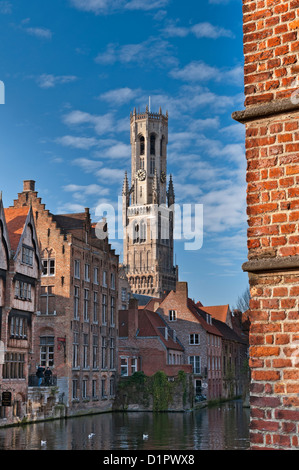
x=126 y=189
x=170 y=192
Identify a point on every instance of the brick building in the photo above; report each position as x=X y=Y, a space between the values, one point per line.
x=76 y=325
x=146 y=343
x=199 y=337
x=19 y=290
x=271 y=118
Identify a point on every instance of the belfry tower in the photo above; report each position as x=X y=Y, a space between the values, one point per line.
x=148 y=215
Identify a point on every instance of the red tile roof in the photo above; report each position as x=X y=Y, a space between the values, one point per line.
x=217 y=311
x=15 y=221
x=198 y=313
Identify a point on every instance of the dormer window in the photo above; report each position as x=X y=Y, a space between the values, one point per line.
x=209 y=319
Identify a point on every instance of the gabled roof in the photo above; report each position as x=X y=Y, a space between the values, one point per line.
x=200 y=315
x=15 y=221
x=227 y=332
x=150 y=324
x=219 y=312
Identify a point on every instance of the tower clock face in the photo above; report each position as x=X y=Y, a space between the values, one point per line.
x=141 y=175
x=163 y=177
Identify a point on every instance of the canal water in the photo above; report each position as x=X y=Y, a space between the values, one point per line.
x=224 y=427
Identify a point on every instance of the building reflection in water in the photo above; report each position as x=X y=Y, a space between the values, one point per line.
x=217 y=428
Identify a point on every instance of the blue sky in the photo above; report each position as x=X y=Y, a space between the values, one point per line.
x=74 y=70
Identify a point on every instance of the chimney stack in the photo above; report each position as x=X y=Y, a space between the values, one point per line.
x=28 y=185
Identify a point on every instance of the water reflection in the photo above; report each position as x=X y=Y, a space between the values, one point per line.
x=218 y=428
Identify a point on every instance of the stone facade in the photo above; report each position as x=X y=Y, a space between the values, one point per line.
x=148 y=215
x=76 y=325
x=271 y=117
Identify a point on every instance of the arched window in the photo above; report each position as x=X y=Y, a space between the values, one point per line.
x=142 y=146
x=142 y=231
x=136 y=233
x=153 y=145
x=162 y=145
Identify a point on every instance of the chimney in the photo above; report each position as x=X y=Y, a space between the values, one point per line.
x=132 y=317
x=28 y=185
x=182 y=290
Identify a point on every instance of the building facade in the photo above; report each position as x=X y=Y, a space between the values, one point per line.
x=148 y=214
x=19 y=292
x=76 y=325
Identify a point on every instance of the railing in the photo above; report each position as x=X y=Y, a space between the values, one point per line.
x=51 y=382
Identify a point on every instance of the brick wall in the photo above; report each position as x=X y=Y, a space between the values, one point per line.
x=271 y=117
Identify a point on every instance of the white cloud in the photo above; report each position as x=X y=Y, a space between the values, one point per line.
x=152 y=52
x=70 y=207
x=84 y=143
x=50 y=81
x=119 y=96
x=87 y=165
x=42 y=33
x=110 y=6
x=198 y=71
x=200 y=30
x=89 y=190
x=110 y=174
x=5 y=7
x=100 y=123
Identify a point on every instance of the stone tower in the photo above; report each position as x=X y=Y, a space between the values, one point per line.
x=148 y=215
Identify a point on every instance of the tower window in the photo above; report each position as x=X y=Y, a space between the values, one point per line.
x=153 y=145
x=141 y=145
x=152 y=166
x=142 y=163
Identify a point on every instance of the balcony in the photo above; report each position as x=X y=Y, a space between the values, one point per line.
x=33 y=381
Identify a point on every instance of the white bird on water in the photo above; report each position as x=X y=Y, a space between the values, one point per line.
x=91 y=435
x=43 y=443
x=145 y=436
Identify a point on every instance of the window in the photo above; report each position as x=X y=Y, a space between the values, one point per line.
x=95 y=307
x=142 y=163
x=14 y=366
x=112 y=353
x=112 y=312
x=85 y=351
x=47 y=351
x=47 y=300
x=142 y=231
x=84 y=388
x=209 y=319
x=196 y=364
x=124 y=366
x=94 y=388
x=86 y=273
x=194 y=338
x=112 y=387
x=18 y=327
x=75 y=389
x=152 y=165
x=123 y=294
x=153 y=145
x=76 y=302
x=76 y=350
x=104 y=309
x=95 y=352
x=112 y=285
x=48 y=267
x=23 y=290
x=172 y=315
x=77 y=269
x=27 y=255
x=133 y=365
x=104 y=278
x=104 y=364
x=86 y=304
x=96 y=275
x=142 y=145
x=103 y=388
